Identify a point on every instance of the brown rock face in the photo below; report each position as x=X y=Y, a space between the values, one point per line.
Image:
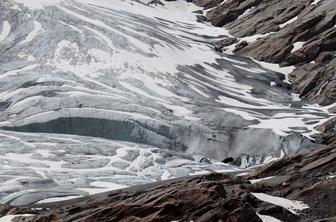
x=225 y=42
x=207 y=3
x=229 y=11
x=316 y=81
x=305 y=78
x=287 y=23
x=328 y=132
x=217 y=197
x=313 y=180
x=240 y=46
x=203 y=198
x=221 y=197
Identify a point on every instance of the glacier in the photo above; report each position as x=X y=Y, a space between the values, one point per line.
x=94 y=93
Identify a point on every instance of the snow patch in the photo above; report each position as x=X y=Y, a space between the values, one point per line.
x=266 y=218
x=253 y=38
x=280 y=126
x=315 y=2
x=291 y=205
x=261 y=179
x=288 y=22
x=331 y=176
x=56 y=199
x=297 y=46
x=246 y=12
x=276 y=67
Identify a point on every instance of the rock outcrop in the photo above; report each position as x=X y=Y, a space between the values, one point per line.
x=78 y=83
x=328 y=132
x=141 y=87
x=287 y=32
x=310 y=180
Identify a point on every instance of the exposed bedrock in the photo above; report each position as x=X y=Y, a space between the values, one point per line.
x=328 y=132
x=296 y=188
x=111 y=72
x=290 y=33
x=100 y=95
x=96 y=95
x=316 y=81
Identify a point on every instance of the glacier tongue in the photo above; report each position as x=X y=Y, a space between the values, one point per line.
x=145 y=79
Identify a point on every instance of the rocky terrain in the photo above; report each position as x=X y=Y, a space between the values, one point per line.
x=301 y=34
x=290 y=33
x=99 y=95
x=96 y=96
x=297 y=188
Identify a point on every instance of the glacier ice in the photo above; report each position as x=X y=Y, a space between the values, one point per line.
x=113 y=91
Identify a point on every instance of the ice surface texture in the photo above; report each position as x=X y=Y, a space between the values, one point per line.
x=142 y=79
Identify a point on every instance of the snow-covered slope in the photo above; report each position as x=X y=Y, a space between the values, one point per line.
x=141 y=78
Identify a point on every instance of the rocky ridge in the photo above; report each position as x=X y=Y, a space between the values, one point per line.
x=291 y=33
x=300 y=33
x=94 y=95
x=310 y=180
x=306 y=178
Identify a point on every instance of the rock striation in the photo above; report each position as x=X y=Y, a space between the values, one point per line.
x=99 y=95
x=290 y=33
x=300 y=33
x=296 y=188
x=102 y=94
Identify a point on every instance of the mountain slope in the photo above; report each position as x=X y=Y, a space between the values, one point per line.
x=266 y=194
x=300 y=33
x=99 y=95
